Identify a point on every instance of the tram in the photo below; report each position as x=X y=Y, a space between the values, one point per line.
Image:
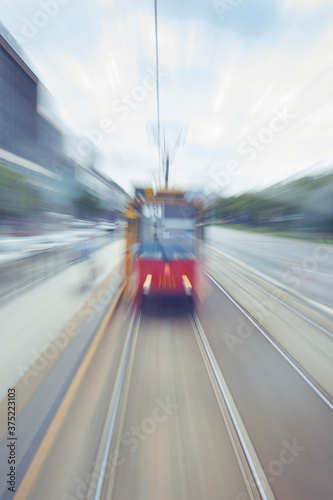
x=164 y=247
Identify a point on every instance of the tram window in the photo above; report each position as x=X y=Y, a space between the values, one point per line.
x=168 y=232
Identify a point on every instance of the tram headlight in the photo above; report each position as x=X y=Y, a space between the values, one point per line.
x=187 y=285
x=147 y=284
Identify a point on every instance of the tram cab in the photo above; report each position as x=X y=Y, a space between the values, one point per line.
x=164 y=245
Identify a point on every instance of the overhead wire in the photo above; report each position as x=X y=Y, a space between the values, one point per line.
x=157 y=87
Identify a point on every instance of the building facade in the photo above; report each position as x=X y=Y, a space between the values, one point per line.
x=33 y=142
x=18 y=101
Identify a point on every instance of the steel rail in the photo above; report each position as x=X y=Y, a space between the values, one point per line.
x=292 y=309
x=95 y=491
x=257 y=482
x=305 y=376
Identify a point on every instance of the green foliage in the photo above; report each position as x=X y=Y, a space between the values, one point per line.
x=18 y=197
x=249 y=205
x=9 y=178
x=309 y=202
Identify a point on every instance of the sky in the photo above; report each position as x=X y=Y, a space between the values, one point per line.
x=246 y=86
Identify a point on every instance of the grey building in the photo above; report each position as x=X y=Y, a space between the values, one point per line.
x=18 y=100
x=33 y=142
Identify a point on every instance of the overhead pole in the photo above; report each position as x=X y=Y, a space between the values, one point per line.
x=167 y=171
x=157 y=87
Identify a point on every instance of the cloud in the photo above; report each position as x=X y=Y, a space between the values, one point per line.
x=224 y=79
x=305 y=5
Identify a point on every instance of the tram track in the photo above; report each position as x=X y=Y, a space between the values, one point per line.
x=110 y=443
x=302 y=342
x=203 y=449
x=187 y=461
x=247 y=450
x=315 y=324
x=108 y=438
x=253 y=472
x=323 y=395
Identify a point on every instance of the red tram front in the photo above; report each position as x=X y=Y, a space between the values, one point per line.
x=164 y=246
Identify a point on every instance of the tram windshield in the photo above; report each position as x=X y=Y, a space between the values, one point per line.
x=168 y=232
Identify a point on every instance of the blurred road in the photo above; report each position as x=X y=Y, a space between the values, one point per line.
x=277 y=407
x=303 y=267
x=30 y=321
x=171 y=440
x=13 y=248
x=186 y=452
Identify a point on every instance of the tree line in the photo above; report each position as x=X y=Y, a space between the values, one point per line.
x=305 y=203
